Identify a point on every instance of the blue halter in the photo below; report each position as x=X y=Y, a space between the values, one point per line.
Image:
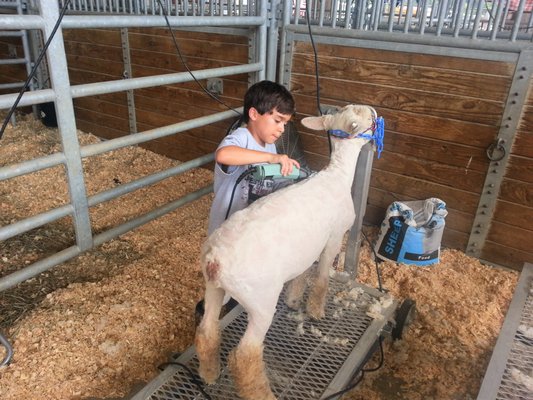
x=377 y=135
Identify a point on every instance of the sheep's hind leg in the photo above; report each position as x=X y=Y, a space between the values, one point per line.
x=246 y=361
x=295 y=291
x=207 y=340
x=316 y=302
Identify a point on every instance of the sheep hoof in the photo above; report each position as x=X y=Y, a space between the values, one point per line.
x=209 y=373
x=248 y=369
x=293 y=304
x=315 y=311
x=316 y=315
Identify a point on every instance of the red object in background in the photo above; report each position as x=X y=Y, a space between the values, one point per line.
x=513 y=5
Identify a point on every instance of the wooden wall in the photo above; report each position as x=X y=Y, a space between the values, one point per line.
x=95 y=55
x=441 y=113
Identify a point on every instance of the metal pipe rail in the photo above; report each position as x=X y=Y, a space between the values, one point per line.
x=62 y=94
x=454 y=18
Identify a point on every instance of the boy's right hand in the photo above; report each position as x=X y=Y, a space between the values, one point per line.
x=287 y=163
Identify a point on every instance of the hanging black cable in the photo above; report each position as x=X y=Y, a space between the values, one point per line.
x=185 y=63
x=308 y=19
x=34 y=69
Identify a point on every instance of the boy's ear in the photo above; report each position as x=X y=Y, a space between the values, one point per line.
x=253 y=113
x=316 y=123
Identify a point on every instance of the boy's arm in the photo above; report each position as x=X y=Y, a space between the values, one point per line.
x=235 y=155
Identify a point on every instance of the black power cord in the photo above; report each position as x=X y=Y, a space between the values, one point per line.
x=361 y=376
x=34 y=69
x=193 y=377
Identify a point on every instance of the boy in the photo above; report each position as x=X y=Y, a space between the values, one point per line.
x=268 y=106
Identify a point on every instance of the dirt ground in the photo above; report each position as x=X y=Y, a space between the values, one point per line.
x=98 y=325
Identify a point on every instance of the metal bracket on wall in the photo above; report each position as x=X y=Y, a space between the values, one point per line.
x=498 y=153
x=215 y=86
x=285 y=70
x=126 y=58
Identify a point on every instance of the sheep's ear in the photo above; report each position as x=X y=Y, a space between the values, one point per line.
x=316 y=123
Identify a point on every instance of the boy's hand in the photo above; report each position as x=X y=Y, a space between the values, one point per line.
x=287 y=163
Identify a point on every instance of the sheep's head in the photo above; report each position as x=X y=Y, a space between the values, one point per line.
x=353 y=119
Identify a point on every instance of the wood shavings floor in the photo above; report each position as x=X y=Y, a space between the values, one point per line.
x=100 y=324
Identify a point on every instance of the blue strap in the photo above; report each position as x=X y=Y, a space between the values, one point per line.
x=377 y=136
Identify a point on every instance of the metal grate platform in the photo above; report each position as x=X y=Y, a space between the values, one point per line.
x=509 y=375
x=305 y=359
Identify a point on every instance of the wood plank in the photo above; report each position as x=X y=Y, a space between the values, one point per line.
x=182 y=146
x=185 y=34
x=106 y=121
x=505 y=256
x=83 y=77
x=408 y=186
x=233 y=90
x=407 y=58
x=189 y=47
x=81 y=63
x=435 y=127
x=511 y=236
x=213 y=133
x=99 y=105
x=454 y=240
x=446 y=175
x=516 y=192
x=444 y=152
x=172 y=62
x=513 y=214
x=421 y=103
x=427 y=79
x=108 y=37
x=520 y=168
x=100 y=131
x=190 y=94
x=111 y=53
x=523 y=144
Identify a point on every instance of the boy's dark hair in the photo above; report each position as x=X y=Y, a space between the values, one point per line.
x=267 y=96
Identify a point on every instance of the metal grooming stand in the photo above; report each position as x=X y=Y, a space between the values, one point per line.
x=315 y=364
x=512 y=358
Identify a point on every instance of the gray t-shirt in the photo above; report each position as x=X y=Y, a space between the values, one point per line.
x=225 y=181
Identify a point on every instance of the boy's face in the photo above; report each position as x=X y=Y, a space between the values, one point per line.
x=267 y=127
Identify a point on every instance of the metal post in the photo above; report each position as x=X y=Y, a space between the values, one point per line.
x=499 y=155
x=67 y=124
x=360 y=187
x=126 y=58
x=262 y=41
x=272 y=42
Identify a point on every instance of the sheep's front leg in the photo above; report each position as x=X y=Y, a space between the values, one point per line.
x=246 y=361
x=316 y=302
x=207 y=340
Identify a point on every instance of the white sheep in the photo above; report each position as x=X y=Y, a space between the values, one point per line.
x=274 y=240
